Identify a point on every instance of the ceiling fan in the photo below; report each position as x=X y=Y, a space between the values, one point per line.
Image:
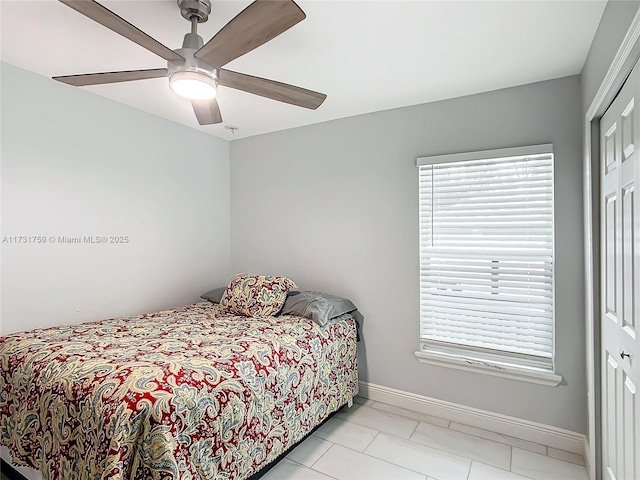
x=195 y=70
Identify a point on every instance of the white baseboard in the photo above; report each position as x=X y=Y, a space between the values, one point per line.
x=515 y=427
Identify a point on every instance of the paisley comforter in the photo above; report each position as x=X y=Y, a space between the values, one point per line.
x=189 y=393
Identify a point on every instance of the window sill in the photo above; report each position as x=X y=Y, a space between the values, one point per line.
x=468 y=364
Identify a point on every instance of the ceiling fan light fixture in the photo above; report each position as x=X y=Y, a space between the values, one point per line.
x=193 y=85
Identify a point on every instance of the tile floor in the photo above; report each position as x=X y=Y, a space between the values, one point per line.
x=373 y=441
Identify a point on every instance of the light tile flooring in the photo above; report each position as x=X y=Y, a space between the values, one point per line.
x=372 y=440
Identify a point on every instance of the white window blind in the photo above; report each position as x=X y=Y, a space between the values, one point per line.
x=486 y=254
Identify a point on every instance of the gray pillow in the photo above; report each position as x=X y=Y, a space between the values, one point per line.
x=319 y=307
x=214 y=295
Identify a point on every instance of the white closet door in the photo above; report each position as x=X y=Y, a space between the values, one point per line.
x=620 y=283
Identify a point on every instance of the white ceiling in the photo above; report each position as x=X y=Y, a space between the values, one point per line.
x=365 y=55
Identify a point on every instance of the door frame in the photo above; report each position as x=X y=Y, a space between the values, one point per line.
x=623 y=62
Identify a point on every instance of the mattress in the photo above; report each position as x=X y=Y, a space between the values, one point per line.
x=188 y=393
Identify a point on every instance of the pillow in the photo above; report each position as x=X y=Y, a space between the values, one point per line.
x=215 y=295
x=256 y=295
x=319 y=307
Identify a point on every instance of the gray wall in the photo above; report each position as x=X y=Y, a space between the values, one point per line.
x=334 y=206
x=74 y=163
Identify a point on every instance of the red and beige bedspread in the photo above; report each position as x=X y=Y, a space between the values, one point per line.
x=188 y=394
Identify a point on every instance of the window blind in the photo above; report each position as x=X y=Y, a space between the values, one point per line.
x=486 y=256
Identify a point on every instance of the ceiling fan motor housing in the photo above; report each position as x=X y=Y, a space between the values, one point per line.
x=198 y=9
x=191 y=63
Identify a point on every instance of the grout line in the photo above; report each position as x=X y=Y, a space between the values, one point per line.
x=332 y=445
x=310 y=468
x=435 y=450
x=385 y=413
x=502 y=469
x=458 y=432
x=387 y=461
x=322 y=473
x=410 y=418
x=496 y=441
x=449 y=422
x=414 y=429
x=369 y=444
x=318 y=471
x=496 y=433
x=348 y=421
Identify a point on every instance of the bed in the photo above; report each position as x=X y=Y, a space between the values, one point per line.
x=188 y=393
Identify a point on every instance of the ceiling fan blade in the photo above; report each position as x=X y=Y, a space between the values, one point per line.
x=107 y=18
x=281 y=92
x=111 y=77
x=207 y=111
x=255 y=25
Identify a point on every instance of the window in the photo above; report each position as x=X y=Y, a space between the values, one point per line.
x=486 y=262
